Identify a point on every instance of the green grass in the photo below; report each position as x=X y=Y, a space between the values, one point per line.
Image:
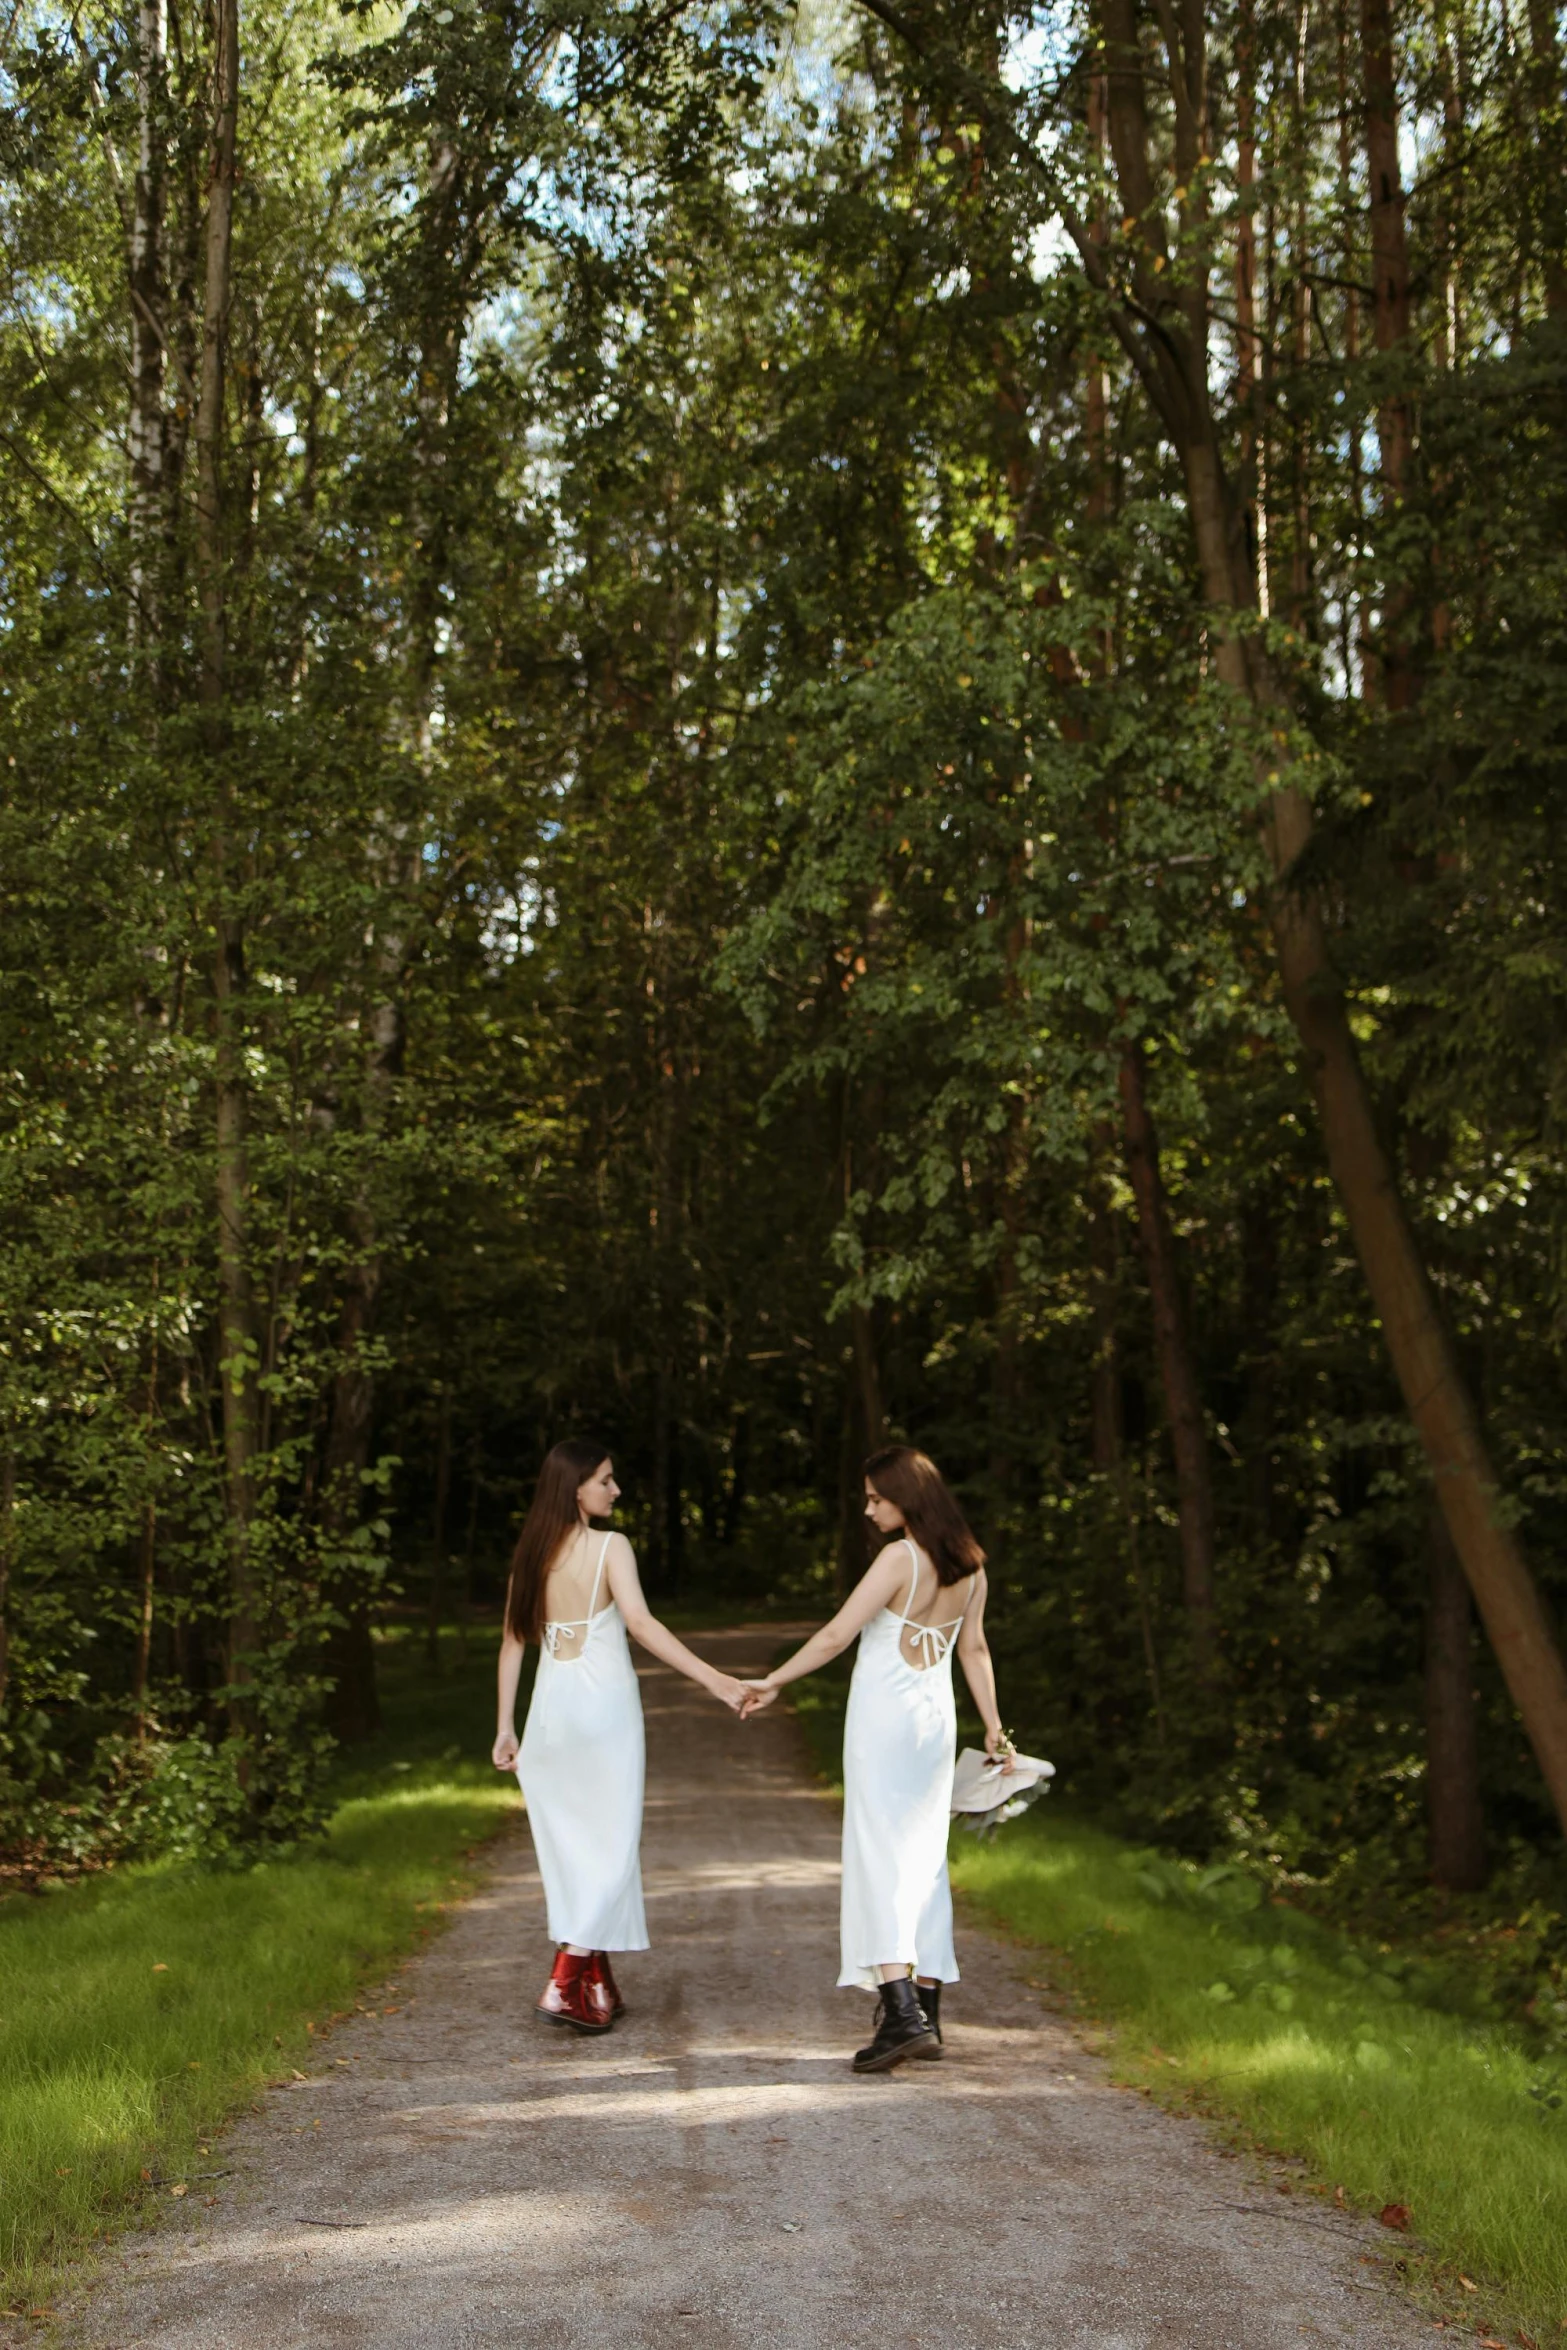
x=139 y=2009
x=1316 y=2049
x=1348 y=2058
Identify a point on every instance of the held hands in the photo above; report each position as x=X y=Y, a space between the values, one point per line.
x=503 y=1754
x=730 y=1692
x=758 y=1695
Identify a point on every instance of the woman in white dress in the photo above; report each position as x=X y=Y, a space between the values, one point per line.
x=574 y=1589
x=923 y=1598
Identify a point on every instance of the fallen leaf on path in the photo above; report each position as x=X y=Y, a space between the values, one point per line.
x=1395 y=2215
x=1527 y=2341
x=1468 y=2284
x=181 y=2189
x=1338 y=2197
x=301 y=2076
x=1490 y=2342
x=159 y=1966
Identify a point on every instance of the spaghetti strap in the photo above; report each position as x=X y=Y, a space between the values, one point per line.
x=914 y=1579
x=598 y=1575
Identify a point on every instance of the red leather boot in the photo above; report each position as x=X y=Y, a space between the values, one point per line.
x=574 y=1995
x=606 y=1975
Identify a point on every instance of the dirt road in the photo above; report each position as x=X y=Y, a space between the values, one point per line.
x=710 y=2174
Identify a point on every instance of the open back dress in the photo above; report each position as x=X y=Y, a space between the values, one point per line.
x=899 y=1745
x=581 y=1767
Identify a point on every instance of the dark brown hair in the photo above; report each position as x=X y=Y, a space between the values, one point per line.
x=552 y=1517
x=912 y=1482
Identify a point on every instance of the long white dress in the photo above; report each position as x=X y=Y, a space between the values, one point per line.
x=899 y=1745
x=581 y=1767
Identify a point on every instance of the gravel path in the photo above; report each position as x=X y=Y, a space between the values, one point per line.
x=710 y=2174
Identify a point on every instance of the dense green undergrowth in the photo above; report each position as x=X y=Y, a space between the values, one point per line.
x=1375 y=2065
x=139 y=2008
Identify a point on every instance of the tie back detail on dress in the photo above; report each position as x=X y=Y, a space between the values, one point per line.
x=556 y=1630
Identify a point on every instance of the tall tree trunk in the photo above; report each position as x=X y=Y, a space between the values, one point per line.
x=1177 y=1368
x=849 y=1554
x=1390 y=312
x=867 y=1373
x=1249 y=389
x=736 y=1486
x=1174 y=373
x=470 y=1542
x=142 y=1663
x=1259 y=1294
x=7 y=1552
x=443 y=1480
x=238 y=1335
x=1107 y=1429
x=1357 y=624
x=1546 y=104
x=149 y=327
x=1455 y=1818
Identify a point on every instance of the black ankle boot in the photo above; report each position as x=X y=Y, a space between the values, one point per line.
x=901 y=2030
x=929 y=1997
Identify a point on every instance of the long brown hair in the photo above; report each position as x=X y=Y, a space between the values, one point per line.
x=551 y=1518
x=912 y=1482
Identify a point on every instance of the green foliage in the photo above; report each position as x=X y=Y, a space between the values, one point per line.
x=720 y=762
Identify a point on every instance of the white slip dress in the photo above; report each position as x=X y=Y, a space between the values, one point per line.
x=581 y=1767
x=899 y=1746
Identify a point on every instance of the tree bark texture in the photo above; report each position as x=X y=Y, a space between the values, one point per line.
x=1390 y=312
x=7 y=1547
x=1177 y=1369
x=239 y=1353
x=1106 y=1419
x=1455 y=1817
x=1389 y=245
x=145 y=435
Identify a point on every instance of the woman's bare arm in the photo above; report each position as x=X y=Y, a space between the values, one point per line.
x=978 y=1671
x=882 y=1580
x=504 y=1752
x=626 y=1587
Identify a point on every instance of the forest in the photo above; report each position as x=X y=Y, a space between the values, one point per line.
x=753 y=727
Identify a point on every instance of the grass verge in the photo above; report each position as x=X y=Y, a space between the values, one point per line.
x=139 y=2009
x=1342 y=2057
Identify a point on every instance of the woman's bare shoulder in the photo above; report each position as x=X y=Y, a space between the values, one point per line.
x=618 y=1551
